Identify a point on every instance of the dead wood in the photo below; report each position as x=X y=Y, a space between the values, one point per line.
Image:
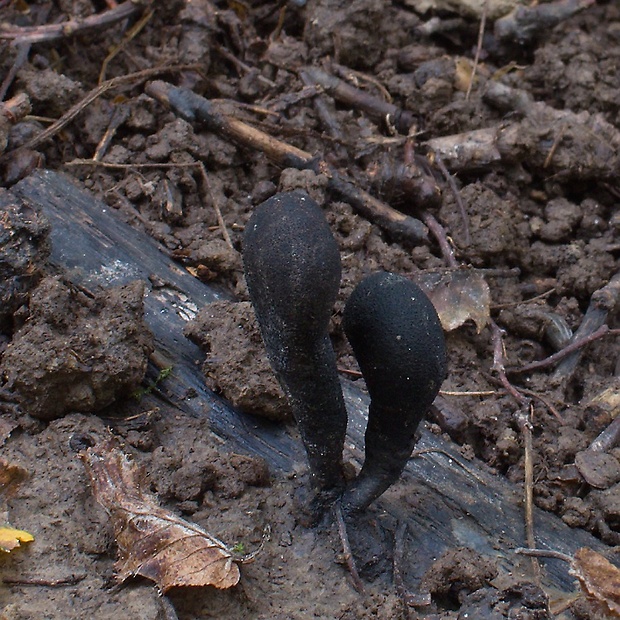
x=602 y=303
x=196 y=109
x=72 y=27
x=526 y=23
x=443 y=505
x=562 y=143
x=380 y=111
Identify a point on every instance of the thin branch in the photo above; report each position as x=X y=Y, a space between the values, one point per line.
x=196 y=109
x=603 y=330
x=346 y=549
x=72 y=27
x=544 y=553
x=378 y=109
x=457 y=195
x=216 y=206
x=499 y=365
x=608 y=439
x=483 y=22
x=73 y=112
x=144 y=20
x=439 y=233
x=525 y=425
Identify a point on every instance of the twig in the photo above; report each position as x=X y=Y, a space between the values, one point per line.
x=23 y=49
x=512 y=304
x=483 y=21
x=144 y=20
x=499 y=365
x=113 y=166
x=216 y=206
x=346 y=549
x=525 y=425
x=545 y=402
x=72 y=27
x=439 y=233
x=479 y=393
x=241 y=66
x=525 y=23
x=346 y=73
x=74 y=111
x=16 y=107
x=327 y=118
x=197 y=109
x=567 y=350
x=378 y=109
x=352 y=373
x=455 y=191
x=48 y=583
x=602 y=303
x=119 y=116
x=554 y=146
x=544 y=553
x=608 y=439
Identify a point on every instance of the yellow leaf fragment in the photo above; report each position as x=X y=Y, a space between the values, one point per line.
x=152 y=541
x=599 y=579
x=10 y=538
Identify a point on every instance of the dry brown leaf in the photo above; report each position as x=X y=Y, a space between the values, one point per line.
x=598 y=578
x=458 y=296
x=153 y=542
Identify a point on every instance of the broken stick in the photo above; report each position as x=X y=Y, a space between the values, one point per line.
x=196 y=109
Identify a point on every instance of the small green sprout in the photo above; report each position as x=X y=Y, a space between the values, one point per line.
x=164 y=373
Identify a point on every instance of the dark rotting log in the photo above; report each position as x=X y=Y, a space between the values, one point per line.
x=443 y=503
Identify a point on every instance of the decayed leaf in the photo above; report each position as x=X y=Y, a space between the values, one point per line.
x=10 y=538
x=153 y=542
x=458 y=296
x=599 y=579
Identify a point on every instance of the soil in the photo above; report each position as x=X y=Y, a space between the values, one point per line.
x=541 y=223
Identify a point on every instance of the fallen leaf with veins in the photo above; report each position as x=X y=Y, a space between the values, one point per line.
x=152 y=541
x=599 y=579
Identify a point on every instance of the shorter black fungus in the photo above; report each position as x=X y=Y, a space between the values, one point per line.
x=399 y=344
x=292 y=268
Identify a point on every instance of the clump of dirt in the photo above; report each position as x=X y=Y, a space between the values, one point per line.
x=458 y=573
x=77 y=352
x=521 y=600
x=236 y=365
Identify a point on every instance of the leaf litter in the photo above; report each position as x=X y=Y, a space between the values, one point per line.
x=153 y=542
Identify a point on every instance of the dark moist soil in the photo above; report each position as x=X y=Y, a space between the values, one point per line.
x=548 y=234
